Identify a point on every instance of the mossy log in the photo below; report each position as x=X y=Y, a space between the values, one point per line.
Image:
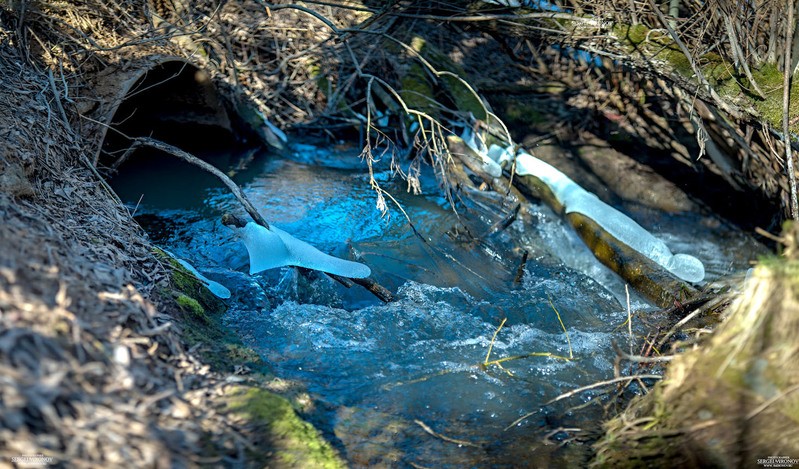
x=432 y=76
x=645 y=276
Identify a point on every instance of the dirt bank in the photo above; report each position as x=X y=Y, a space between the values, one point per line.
x=94 y=370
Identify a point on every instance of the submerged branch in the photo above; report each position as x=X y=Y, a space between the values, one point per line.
x=620 y=379
x=444 y=437
x=191 y=159
x=638 y=358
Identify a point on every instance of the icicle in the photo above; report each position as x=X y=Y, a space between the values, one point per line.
x=270 y=248
x=273 y=135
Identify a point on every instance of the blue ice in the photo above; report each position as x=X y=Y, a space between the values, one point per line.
x=271 y=248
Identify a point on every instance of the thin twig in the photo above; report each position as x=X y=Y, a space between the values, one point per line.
x=697 y=71
x=499 y=361
x=600 y=384
x=629 y=317
x=563 y=326
x=191 y=159
x=639 y=358
x=774 y=399
x=444 y=437
x=375 y=288
x=58 y=100
x=491 y=345
x=520 y=419
x=786 y=107
x=677 y=326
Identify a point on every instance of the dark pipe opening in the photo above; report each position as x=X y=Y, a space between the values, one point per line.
x=174 y=102
x=177 y=103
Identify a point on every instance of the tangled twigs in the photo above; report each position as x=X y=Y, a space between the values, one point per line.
x=721 y=103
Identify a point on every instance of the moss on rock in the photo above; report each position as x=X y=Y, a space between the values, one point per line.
x=192 y=306
x=284 y=439
x=184 y=283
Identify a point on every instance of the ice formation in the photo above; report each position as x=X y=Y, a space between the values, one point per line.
x=217 y=289
x=275 y=130
x=270 y=248
x=500 y=155
x=488 y=165
x=273 y=135
x=576 y=199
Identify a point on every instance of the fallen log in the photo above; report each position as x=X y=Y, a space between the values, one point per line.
x=646 y=276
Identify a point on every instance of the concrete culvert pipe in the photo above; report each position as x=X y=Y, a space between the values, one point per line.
x=166 y=98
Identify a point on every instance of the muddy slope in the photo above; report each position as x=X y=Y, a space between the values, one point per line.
x=93 y=369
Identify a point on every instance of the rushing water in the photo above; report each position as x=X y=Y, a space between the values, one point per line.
x=383 y=374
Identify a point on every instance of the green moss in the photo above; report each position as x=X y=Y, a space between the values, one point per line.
x=633 y=34
x=716 y=69
x=321 y=79
x=770 y=80
x=192 y=306
x=217 y=345
x=464 y=98
x=525 y=112
x=280 y=437
x=417 y=91
x=721 y=74
x=679 y=62
x=286 y=439
x=419 y=88
x=202 y=325
x=182 y=282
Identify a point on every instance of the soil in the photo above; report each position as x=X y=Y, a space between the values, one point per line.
x=93 y=324
x=93 y=370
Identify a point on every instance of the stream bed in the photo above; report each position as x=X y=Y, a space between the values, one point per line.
x=403 y=383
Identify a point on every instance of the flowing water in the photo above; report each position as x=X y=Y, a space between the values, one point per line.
x=403 y=383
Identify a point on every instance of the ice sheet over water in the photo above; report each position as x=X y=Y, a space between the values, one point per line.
x=271 y=248
x=576 y=199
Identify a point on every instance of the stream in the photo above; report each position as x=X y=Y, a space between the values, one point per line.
x=402 y=383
